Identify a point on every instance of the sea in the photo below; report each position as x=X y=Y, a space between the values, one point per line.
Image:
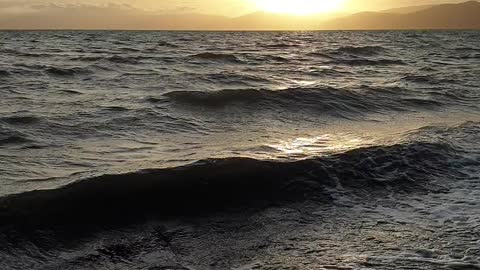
x=239 y=150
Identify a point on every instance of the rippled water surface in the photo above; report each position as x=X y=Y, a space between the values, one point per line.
x=376 y=131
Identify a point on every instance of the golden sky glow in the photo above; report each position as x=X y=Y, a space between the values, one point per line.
x=210 y=14
x=300 y=7
x=232 y=8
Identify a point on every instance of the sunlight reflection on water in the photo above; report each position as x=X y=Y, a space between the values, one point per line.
x=321 y=145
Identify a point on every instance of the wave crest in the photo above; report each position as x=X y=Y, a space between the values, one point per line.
x=123 y=60
x=14 y=139
x=66 y=72
x=216 y=98
x=221 y=183
x=20 y=120
x=166 y=44
x=338 y=102
x=368 y=62
x=361 y=50
x=4 y=73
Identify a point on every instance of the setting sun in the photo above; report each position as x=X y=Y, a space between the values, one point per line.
x=300 y=7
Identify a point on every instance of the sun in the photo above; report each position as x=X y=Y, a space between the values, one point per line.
x=300 y=7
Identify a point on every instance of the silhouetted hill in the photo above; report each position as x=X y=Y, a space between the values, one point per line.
x=448 y=16
x=406 y=10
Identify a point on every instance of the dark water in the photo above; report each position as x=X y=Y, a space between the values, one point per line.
x=275 y=150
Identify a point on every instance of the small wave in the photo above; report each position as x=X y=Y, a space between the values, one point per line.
x=362 y=50
x=35 y=55
x=418 y=102
x=368 y=62
x=123 y=60
x=418 y=79
x=265 y=58
x=215 y=98
x=67 y=72
x=4 y=73
x=14 y=139
x=217 y=57
x=427 y=79
x=321 y=55
x=215 y=184
x=337 y=102
x=467 y=49
x=71 y=92
x=20 y=120
x=470 y=56
x=166 y=44
x=280 y=45
x=87 y=58
x=128 y=49
x=9 y=136
x=328 y=72
x=8 y=51
x=233 y=78
x=277 y=58
x=462 y=137
x=116 y=109
x=24 y=54
x=153 y=100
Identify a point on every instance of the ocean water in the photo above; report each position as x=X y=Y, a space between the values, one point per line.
x=240 y=150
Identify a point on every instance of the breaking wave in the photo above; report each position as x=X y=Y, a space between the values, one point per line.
x=217 y=184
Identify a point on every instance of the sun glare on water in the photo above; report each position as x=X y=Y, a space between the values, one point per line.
x=300 y=7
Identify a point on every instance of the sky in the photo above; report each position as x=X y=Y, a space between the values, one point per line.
x=225 y=14
x=230 y=8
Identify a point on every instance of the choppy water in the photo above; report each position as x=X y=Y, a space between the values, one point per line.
x=286 y=134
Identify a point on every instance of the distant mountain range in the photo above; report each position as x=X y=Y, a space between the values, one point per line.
x=406 y=10
x=445 y=16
